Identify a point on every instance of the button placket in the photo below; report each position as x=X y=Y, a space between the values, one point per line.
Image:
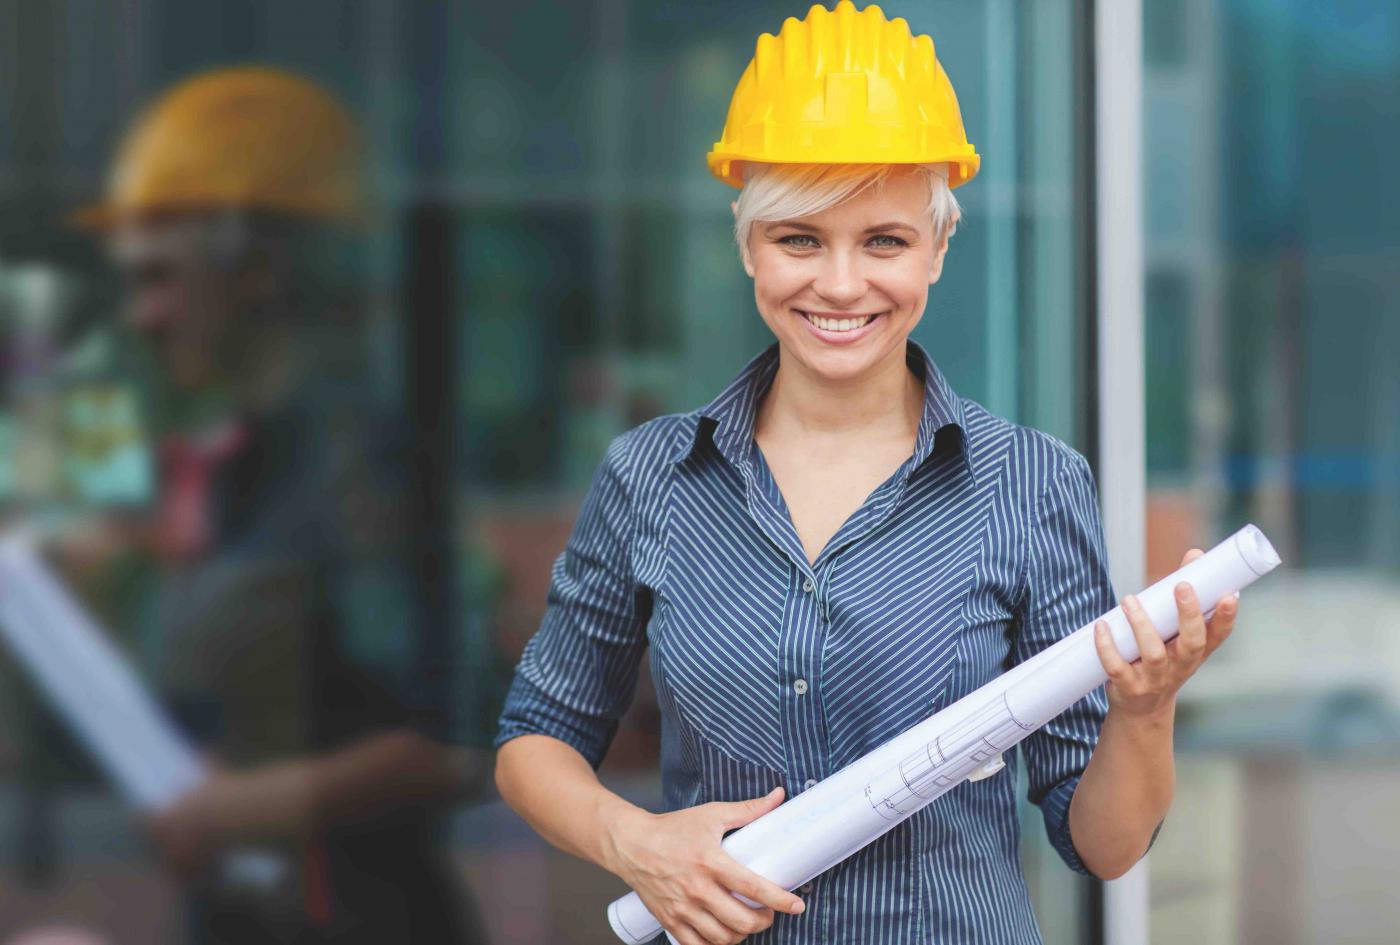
x=799 y=638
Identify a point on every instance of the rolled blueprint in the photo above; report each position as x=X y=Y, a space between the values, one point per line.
x=822 y=826
x=89 y=683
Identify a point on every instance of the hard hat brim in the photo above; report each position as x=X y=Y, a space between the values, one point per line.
x=100 y=218
x=94 y=218
x=729 y=166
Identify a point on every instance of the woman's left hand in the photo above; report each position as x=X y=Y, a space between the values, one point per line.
x=1147 y=688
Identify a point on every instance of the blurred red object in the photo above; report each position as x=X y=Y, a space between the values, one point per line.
x=1176 y=522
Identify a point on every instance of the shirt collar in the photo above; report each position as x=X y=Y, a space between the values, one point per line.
x=729 y=418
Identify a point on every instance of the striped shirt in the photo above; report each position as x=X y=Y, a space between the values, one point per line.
x=982 y=549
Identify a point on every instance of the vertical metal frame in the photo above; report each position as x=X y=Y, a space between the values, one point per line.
x=1118 y=318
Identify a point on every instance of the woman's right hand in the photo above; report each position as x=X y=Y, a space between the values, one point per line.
x=675 y=863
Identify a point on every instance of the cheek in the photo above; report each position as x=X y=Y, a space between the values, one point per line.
x=906 y=284
x=777 y=277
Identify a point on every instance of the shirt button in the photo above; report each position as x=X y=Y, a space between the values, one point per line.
x=805 y=888
x=800 y=686
x=808 y=586
x=809 y=784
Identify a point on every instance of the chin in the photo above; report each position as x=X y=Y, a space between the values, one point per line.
x=838 y=364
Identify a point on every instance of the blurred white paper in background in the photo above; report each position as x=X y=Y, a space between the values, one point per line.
x=90 y=684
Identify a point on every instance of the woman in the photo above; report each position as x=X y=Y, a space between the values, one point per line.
x=832 y=549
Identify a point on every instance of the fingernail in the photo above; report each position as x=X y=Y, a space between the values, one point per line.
x=1130 y=602
x=799 y=907
x=1183 y=591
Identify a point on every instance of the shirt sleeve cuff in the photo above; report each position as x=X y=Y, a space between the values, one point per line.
x=529 y=710
x=1054 y=806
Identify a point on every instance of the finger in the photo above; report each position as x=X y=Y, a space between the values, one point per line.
x=739 y=918
x=1222 y=622
x=1112 y=659
x=1190 y=556
x=709 y=928
x=1151 y=650
x=1191 y=626
x=685 y=934
x=739 y=813
x=738 y=878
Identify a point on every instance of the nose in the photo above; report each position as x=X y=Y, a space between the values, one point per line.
x=840 y=281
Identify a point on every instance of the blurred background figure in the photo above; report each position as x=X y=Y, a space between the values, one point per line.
x=282 y=525
x=280 y=534
x=548 y=264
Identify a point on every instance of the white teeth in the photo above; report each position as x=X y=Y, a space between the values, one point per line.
x=839 y=324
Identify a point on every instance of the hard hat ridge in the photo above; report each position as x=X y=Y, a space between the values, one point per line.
x=844 y=86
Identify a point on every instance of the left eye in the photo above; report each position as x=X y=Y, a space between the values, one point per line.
x=886 y=241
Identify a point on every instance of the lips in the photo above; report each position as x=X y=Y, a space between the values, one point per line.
x=839 y=328
x=838 y=323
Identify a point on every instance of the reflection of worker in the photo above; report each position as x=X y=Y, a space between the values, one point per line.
x=834 y=547
x=283 y=610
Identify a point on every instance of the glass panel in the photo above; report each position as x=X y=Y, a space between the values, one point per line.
x=1272 y=398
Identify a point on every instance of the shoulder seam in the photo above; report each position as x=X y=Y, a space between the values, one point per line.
x=624 y=443
x=1062 y=458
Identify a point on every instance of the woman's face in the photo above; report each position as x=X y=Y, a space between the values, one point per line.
x=843 y=288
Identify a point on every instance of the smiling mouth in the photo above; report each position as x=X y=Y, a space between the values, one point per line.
x=838 y=324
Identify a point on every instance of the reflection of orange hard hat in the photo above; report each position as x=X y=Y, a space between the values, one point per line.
x=251 y=137
x=844 y=87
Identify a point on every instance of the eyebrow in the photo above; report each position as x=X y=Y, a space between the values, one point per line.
x=808 y=228
x=886 y=227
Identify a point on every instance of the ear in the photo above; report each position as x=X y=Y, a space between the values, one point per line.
x=744 y=255
x=939 y=252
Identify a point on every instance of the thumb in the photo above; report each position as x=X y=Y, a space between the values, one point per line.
x=739 y=813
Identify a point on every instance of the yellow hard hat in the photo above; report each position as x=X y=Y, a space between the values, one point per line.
x=844 y=87
x=250 y=137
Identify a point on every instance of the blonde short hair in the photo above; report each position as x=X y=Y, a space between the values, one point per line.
x=788 y=191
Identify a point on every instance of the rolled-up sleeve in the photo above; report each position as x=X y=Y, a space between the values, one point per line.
x=579 y=671
x=1067 y=586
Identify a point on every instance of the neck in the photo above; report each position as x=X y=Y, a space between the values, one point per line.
x=886 y=400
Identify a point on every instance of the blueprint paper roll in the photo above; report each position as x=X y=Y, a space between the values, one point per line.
x=819 y=828
x=89 y=683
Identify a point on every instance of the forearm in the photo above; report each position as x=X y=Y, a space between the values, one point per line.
x=378 y=773
x=382 y=772
x=556 y=791
x=1125 y=792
